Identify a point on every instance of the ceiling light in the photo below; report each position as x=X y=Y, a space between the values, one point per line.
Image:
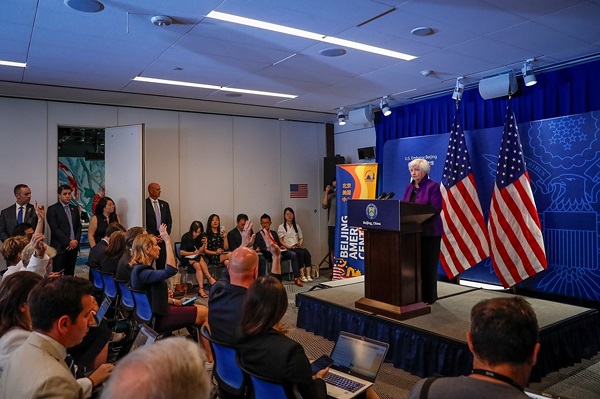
x=458 y=89
x=422 y=31
x=426 y=72
x=13 y=64
x=332 y=52
x=161 y=20
x=528 y=75
x=385 y=106
x=341 y=117
x=307 y=35
x=211 y=87
x=85 y=5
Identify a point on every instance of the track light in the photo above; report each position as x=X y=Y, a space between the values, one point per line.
x=385 y=106
x=341 y=117
x=458 y=89
x=528 y=75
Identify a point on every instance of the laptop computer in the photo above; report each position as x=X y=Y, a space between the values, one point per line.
x=146 y=336
x=356 y=363
x=102 y=310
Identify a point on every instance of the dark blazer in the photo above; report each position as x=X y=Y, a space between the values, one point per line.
x=428 y=193
x=8 y=219
x=276 y=356
x=234 y=239
x=59 y=226
x=165 y=216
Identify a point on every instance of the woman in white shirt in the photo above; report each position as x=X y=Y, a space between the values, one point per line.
x=292 y=239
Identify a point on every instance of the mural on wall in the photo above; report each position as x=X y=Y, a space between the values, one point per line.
x=562 y=157
x=86 y=177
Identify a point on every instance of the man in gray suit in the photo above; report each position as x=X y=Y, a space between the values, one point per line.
x=20 y=212
x=61 y=311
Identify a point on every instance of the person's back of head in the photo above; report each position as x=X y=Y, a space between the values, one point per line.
x=55 y=297
x=12 y=248
x=116 y=245
x=264 y=306
x=243 y=266
x=13 y=298
x=504 y=331
x=114 y=226
x=131 y=233
x=23 y=229
x=169 y=368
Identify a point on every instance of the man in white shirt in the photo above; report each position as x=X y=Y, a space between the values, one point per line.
x=20 y=212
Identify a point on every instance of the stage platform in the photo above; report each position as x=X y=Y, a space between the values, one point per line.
x=436 y=343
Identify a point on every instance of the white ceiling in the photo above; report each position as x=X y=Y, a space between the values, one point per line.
x=93 y=57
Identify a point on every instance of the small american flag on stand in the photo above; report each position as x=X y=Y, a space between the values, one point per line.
x=465 y=240
x=516 y=242
x=299 y=190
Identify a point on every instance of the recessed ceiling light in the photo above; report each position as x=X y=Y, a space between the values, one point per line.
x=211 y=87
x=161 y=20
x=422 y=31
x=85 y=5
x=255 y=23
x=332 y=52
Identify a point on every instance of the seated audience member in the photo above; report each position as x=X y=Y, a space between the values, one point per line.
x=61 y=312
x=23 y=229
x=13 y=248
x=97 y=253
x=259 y=244
x=234 y=237
x=104 y=215
x=36 y=257
x=265 y=350
x=170 y=315
x=124 y=268
x=169 y=368
x=504 y=342
x=217 y=242
x=193 y=244
x=116 y=248
x=227 y=297
x=292 y=239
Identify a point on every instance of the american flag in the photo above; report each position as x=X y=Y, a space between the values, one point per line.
x=516 y=242
x=465 y=240
x=299 y=190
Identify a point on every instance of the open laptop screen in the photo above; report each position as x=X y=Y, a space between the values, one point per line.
x=145 y=336
x=358 y=355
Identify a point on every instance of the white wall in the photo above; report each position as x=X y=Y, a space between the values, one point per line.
x=349 y=138
x=204 y=163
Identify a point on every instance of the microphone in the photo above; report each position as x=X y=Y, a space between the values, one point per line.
x=390 y=195
x=382 y=195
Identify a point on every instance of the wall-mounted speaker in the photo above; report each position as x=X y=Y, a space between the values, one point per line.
x=498 y=86
x=361 y=116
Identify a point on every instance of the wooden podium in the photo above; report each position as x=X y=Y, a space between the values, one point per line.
x=392 y=231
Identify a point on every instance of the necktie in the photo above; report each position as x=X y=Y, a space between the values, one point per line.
x=157 y=214
x=71 y=363
x=20 y=215
x=68 y=212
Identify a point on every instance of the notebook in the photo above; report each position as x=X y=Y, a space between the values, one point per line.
x=102 y=310
x=356 y=363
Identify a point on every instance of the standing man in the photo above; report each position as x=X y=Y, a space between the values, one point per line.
x=21 y=212
x=504 y=343
x=62 y=311
x=65 y=231
x=157 y=212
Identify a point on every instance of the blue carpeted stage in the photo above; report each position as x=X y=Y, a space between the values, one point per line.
x=436 y=343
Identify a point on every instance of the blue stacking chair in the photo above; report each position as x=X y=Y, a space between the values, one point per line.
x=96 y=278
x=229 y=376
x=110 y=287
x=127 y=302
x=143 y=309
x=267 y=388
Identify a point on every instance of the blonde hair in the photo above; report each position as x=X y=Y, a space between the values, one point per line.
x=139 y=249
x=12 y=247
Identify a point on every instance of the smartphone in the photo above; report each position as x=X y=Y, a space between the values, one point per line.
x=189 y=301
x=223 y=229
x=321 y=363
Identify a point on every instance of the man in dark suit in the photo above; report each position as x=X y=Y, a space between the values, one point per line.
x=158 y=212
x=21 y=212
x=65 y=229
x=234 y=237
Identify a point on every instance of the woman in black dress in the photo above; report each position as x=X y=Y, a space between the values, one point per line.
x=105 y=213
x=216 y=245
x=193 y=245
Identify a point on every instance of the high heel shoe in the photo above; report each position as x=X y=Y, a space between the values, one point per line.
x=298 y=282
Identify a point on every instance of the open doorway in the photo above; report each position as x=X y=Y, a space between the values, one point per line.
x=81 y=166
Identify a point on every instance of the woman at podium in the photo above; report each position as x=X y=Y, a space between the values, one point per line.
x=423 y=190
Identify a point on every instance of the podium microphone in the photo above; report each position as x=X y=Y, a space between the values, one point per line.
x=382 y=195
x=389 y=196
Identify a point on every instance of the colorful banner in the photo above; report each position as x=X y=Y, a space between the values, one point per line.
x=357 y=181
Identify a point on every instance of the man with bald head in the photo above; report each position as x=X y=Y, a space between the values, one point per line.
x=158 y=212
x=227 y=295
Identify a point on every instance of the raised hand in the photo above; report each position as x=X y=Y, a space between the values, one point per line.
x=247 y=236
